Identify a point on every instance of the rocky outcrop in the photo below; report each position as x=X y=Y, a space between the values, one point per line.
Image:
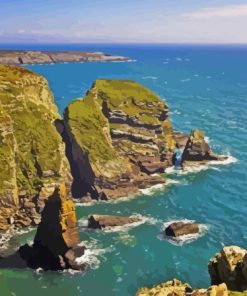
x=178 y=288
x=228 y=274
x=230 y=266
x=19 y=57
x=174 y=287
x=103 y=221
x=196 y=148
x=56 y=243
x=125 y=131
x=32 y=157
x=181 y=228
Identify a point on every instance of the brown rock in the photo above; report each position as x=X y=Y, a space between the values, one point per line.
x=197 y=149
x=102 y=221
x=230 y=267
x=181 y=228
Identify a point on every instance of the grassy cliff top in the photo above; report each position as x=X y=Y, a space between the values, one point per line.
x=118 y=93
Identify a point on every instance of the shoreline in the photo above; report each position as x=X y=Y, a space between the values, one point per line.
x=36 y=57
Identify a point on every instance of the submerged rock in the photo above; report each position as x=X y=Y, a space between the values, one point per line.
x=196 y=148
x=102 y=221
x=230 y=267
x=181 y=228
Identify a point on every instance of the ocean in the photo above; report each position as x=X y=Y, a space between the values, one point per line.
x=205 y=88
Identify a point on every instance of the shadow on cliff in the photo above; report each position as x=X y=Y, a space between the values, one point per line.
x=49 y=246
x=81 y=170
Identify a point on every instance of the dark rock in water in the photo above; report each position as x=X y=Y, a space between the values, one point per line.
x=102 y=221
x=181 y=228
x=56 y=242
x=197 y=149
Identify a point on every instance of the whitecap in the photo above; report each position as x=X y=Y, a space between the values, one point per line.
x=150 y=77
x=179 y=59
x=183 y=239
x=158 y=187
x=195 y=168
x=185 y=80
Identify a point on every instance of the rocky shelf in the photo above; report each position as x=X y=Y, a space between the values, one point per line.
x=19 y=57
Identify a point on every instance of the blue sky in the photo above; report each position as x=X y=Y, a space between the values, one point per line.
x=126 y=21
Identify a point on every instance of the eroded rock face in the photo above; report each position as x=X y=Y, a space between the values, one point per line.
x=196 y=148
x=181 y=228
x=32 y=156
x=56 y=242
x=178 y=288
x=125 y=130
x=230 y=266
x=102 y=221
x=174 y=287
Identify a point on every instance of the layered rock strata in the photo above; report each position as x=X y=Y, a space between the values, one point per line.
x=125 y=131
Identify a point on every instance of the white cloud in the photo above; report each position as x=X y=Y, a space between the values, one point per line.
x=228 y=11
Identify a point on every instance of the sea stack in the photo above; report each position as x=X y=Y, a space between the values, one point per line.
x=56 y=242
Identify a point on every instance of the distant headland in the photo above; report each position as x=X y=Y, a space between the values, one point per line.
x=20 y=57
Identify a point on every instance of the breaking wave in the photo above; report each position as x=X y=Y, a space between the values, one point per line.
x=202 y=167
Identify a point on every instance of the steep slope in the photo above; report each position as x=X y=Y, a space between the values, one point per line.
x=126 y=132
x=32 y=154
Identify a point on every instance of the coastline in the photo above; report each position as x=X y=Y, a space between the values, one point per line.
x=35 y=57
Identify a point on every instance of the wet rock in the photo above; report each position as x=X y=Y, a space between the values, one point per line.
x=197 y=149
x=230 y=267
x=181 y=228
x=102 y=221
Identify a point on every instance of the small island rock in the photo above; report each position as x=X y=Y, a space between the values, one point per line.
x=181 y=228
x=102 y=221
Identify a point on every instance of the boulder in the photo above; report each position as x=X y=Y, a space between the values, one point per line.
x=196 y=148
x=230 y=267
x=102 y=221
x=181 y=228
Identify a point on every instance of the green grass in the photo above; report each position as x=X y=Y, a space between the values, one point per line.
x=90 y=128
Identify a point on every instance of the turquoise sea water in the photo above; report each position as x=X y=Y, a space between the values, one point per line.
x=206 y=88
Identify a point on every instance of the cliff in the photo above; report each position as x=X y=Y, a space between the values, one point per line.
x=32 y=157
x=124 y=130
x=227 y=270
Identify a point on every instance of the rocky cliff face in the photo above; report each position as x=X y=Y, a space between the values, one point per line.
x=228 y=274
x=124 y=130
x=32 y=157
x=230 y=266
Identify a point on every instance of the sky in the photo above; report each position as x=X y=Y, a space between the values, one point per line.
x=125 y=21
